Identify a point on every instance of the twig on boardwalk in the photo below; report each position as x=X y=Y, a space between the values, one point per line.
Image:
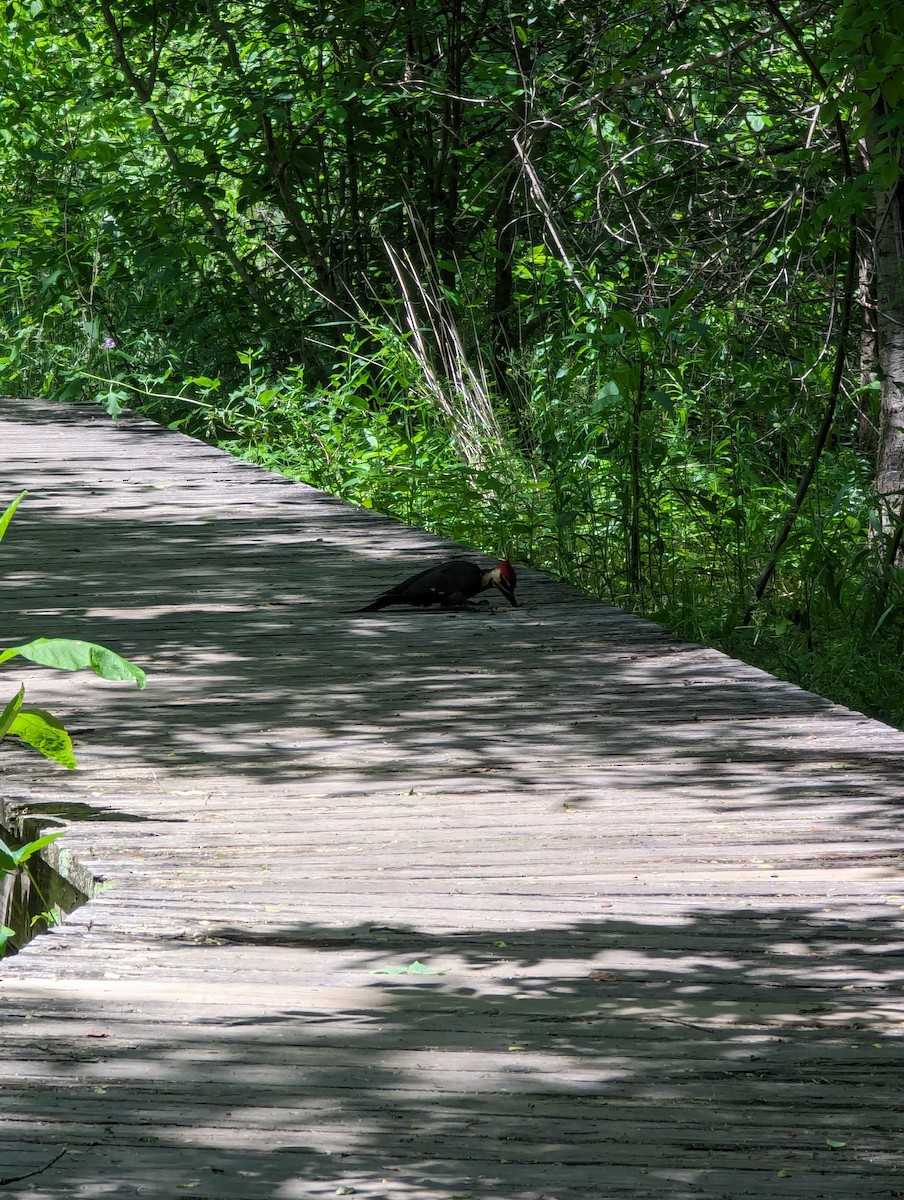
x=4 y=1180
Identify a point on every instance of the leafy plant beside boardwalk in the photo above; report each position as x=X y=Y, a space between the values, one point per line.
x=615 y=291
x=40 y=729
x=14 y=860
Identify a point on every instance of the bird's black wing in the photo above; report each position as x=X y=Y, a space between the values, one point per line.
x=393 y=594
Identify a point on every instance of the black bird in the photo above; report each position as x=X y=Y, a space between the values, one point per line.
x=450 y=584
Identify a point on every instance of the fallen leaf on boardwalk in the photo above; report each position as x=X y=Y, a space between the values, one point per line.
x=602 y=976
x=416 y=968
x=834 y=1143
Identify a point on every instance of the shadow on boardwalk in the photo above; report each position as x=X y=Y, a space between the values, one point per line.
x=661 y=884
x=722 y=1056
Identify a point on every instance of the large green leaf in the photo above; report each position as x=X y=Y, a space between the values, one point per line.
x=73 y=655
x=43 y=732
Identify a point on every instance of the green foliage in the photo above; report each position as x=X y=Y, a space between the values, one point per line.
x=38 y=729
x=415 y=968
x=68 y=654
x=48 y=918
x=7 y=516
x=12 y=860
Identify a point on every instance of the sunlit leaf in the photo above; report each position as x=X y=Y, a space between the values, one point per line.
x=44 y=733
x=73 y=655
x=8 y=513
x=9 y=713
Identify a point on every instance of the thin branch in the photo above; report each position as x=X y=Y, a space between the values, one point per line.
x=37 y=1171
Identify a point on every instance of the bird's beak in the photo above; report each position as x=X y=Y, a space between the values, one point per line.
x=508 y=591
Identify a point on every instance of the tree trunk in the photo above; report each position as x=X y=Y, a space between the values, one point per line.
x=889 y=259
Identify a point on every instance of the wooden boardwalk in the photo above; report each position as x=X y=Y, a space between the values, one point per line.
x=657 y=893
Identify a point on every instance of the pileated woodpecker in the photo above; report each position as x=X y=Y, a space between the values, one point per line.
x=450 y=584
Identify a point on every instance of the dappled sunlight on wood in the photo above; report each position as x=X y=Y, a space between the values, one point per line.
x=426 y=904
